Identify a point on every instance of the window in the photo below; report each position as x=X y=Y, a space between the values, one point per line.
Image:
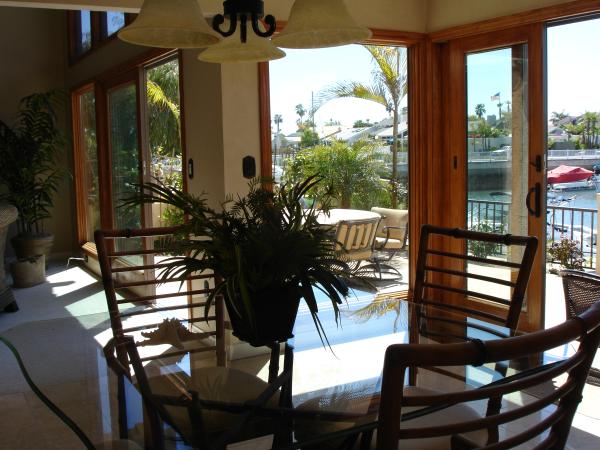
x=142 y=142
x=88 y=30
x=346 y=121
x=113 y=22
x=84 y=41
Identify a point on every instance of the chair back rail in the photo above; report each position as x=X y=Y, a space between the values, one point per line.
x=440 y=272
x=131 y=275
x=355 y=238
x=563 y=399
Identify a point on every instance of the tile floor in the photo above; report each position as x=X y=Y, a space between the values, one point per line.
x=77 y=379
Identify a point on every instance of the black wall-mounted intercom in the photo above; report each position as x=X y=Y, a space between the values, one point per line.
x=249 y=167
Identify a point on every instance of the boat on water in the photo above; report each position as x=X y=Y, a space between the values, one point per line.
x=571 y=178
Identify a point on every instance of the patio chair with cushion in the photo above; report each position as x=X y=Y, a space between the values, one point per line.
x=455 y=423
x=355 y=238
x=391 y=239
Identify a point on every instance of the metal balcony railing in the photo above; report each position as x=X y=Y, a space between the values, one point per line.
x=563 y=222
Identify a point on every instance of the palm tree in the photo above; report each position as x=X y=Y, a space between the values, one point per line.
x=162 y=93
x=557 y=117
x=590 y=122
x=388 y=88
x=301 y=112
x=479 y=110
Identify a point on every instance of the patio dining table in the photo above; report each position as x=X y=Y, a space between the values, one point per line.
x=335 y=386
x=336 y=215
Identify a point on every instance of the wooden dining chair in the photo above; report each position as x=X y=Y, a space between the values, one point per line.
x=455 y=419
x=208 y=413
x=442 y=276
x=445 y=295
x=165 y=321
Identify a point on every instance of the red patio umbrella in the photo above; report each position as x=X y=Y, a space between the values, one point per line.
x=566 y=174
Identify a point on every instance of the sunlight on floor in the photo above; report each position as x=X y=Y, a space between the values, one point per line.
x=70 y=280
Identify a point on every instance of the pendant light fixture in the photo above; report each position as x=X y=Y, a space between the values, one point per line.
x=243 y=11
x=320 y=23
x=170 y=24
x=234 y=50
x=247 y=31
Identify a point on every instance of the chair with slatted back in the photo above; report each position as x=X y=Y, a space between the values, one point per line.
x=442 y=275
x=207 y=415
x=491 y=289
x=156 y=313
x=453 y=421
x=355 y=238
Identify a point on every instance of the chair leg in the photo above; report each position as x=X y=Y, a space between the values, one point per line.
x=381 y=269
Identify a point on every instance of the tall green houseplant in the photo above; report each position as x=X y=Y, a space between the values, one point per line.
x=29 y=175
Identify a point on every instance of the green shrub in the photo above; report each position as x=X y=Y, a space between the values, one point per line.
x=485 y=249
x=567 y=253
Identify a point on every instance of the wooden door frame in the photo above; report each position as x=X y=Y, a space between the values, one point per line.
x=454 y=131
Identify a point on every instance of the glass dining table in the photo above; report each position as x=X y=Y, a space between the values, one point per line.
x=335 y=385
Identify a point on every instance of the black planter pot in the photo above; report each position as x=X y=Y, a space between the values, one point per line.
x=274 y=317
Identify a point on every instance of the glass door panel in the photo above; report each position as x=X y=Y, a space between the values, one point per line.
x=498 y=153
x=163 y=125
x=122 y=103
x=124 y=152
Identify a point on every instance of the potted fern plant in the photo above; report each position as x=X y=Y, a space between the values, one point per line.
x=28 y=170
x=267 y=251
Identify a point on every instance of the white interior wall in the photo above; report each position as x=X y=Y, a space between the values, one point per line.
x=33 y=55
x=444 y=14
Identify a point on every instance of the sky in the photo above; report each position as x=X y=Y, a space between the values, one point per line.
x=574 y=67
x=305 y=72
x=573 y=74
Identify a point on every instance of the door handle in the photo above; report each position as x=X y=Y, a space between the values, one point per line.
x=536 y=191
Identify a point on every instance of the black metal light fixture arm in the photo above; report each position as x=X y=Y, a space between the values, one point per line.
x=244 y=9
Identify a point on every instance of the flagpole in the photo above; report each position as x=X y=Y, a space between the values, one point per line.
x=499 y=109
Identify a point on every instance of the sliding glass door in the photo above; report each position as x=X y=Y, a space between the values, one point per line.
x=502 y=146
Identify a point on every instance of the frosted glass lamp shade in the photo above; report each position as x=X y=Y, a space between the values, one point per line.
x=170 y=24
x=232 y=50
x=320 y=23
